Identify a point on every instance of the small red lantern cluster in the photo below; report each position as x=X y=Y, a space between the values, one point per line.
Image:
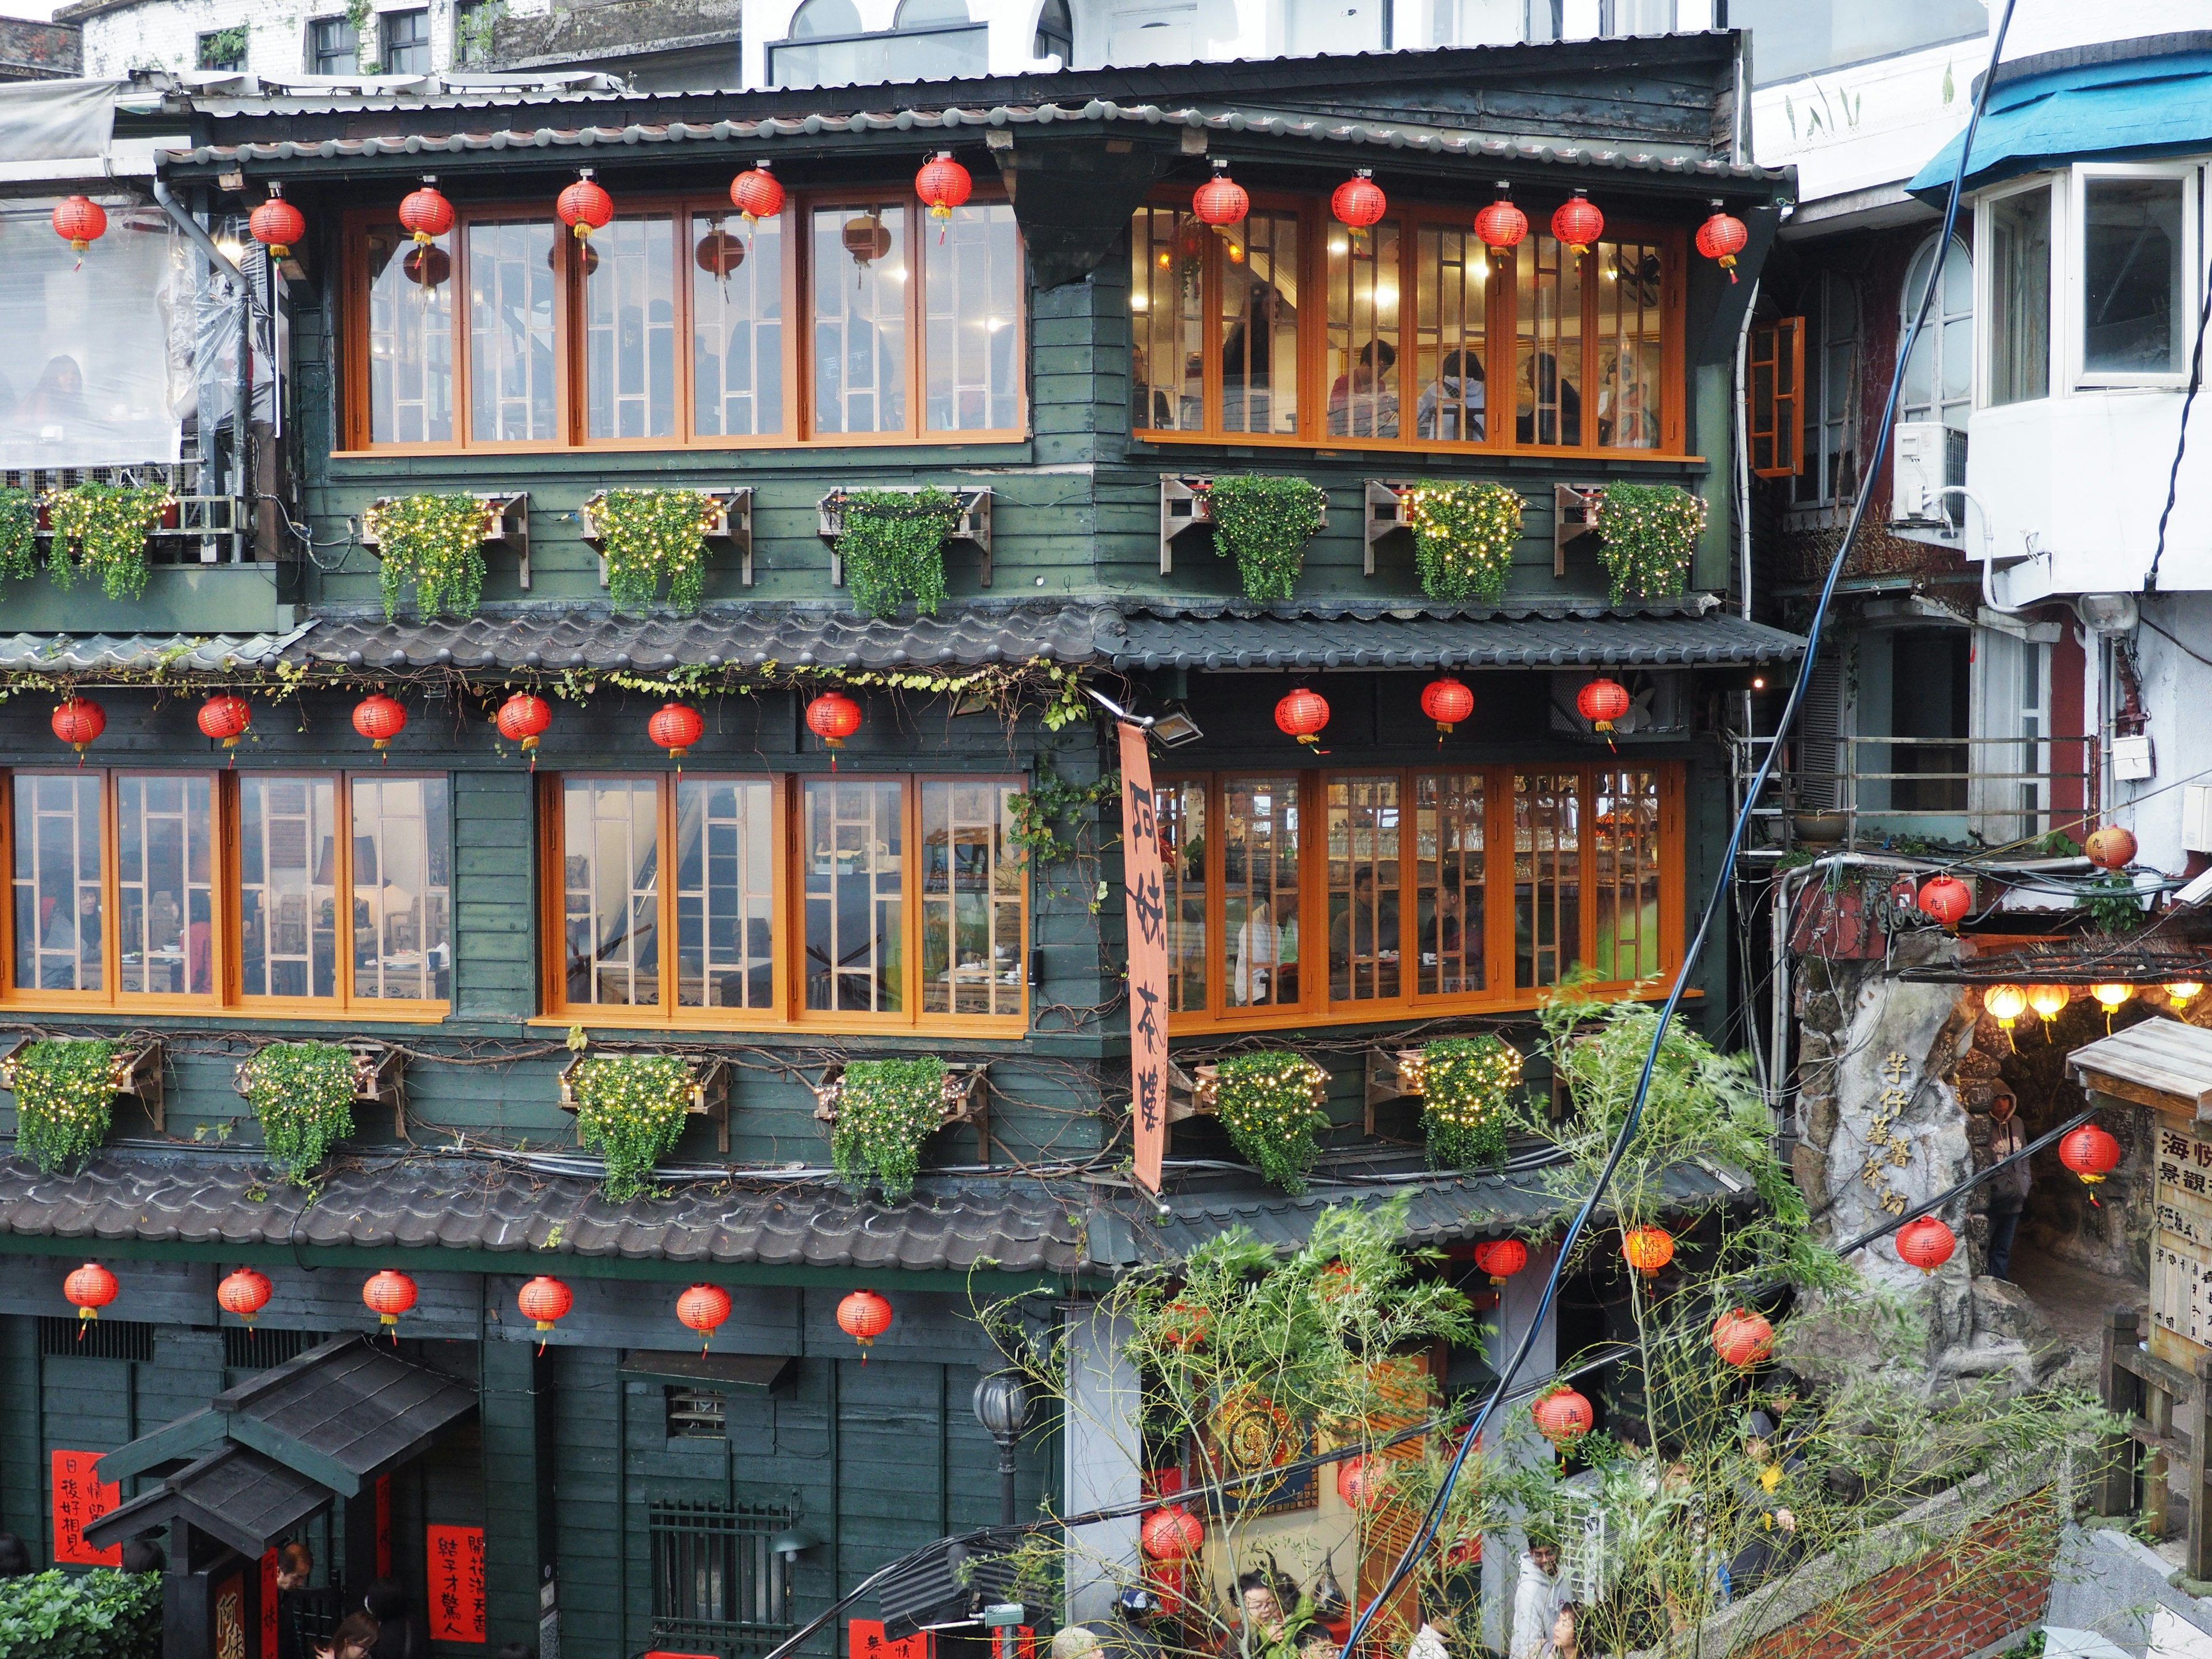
x=425 y=214
x=524 y=719
x=388 y=1294
x=676 y=726
x=1578 y=223
x=584 y=206
x=1172 y=1534
x=277 y=225
x=1564 y=1418
x=79 y=222
x=1946 y=898
x=1302 y=714
x=89 y=1289
x=379 y=719
x=2090 y=1152
x=245 y=1293
x=864 y=1317
x=703 y=1309
x=943 y=184
x=545 y=1302
x=225 y=718
x=1926 y=1243
x=1501 y=1258
x=1447 y=701
x=1602 y=703
x=1721 y=238
x=1501 y=225
x=78 y=722
x=1221 y=200
x=1742 y=1339
x=1359 y=202
x=756 y=193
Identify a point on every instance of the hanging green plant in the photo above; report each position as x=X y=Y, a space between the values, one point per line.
x=1647 y=534
x=106 y=526
x=19 y=533
x=1464 y=535
x=303 y=1095
x=1467 y=1090
x=437 y=541
x=1265 y=523
x=631 y=1109
x=648 y=536
x=885 y=1109
x=1271 y=1104
x=892 y=544
x=64 y=1099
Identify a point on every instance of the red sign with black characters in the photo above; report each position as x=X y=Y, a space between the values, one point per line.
x=457 y=1583
x=80 y=1499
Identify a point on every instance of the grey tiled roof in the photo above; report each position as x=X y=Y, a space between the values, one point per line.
x=117 y=653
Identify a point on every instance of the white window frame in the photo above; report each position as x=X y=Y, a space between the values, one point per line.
x=1813 y=392
x=1985 y=274
x=2071 y=310
x=1909 y=304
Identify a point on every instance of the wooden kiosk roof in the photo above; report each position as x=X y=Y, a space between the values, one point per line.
x=2154 y=1062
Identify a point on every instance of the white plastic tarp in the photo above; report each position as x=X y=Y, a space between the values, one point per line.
x=56 y=121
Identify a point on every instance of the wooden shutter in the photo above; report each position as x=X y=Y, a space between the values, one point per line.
x=1408 y=1395
x=1774 y=392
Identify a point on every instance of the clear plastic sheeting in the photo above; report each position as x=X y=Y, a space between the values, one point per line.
x=56 y=120
x=96 y=373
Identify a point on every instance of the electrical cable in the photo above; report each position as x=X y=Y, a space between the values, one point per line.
x=2181 y=440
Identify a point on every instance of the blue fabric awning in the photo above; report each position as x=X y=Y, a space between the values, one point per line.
x=2139 y=109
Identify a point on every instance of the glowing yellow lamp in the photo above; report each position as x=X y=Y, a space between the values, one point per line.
x=2110 y=996
x=2181 y=995
x=2007 y=1003
x=2049 y=1001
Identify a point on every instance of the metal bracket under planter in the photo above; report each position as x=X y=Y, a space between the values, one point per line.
x=1581 y=500
x=506 y=523
x=710 y=1091
x=1182 y=504
x=378 y=1078
x=733 y=522
x=967 y=1098
x=137 y=1074
x=974 y=524
x=1384 y=511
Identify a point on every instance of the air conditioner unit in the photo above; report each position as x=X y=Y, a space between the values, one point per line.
x=948 y=1585
x=1930 y=457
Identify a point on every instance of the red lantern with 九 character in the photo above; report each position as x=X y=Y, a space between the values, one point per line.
x=676 y=726
x=1221 y=200
x=584 y=206
x=1564 y=1418
x=1602 y=701
x=1501 y=1258
x=1578 y=223
x=1359 y=202
x=2110 y=847
x=1172 y=1534
x=388 y=1294
x=703 y=1309
x=1926 y=1243
x=1501 y=225
x=1722 y=237
x=943 y=184
x=225 y=718
x=756 y=193
x=1742 y=1339
x=864 y=1317
x=277 y=225
x=379 y=719
x=2090 y=1152
x=1447 y=701
x=245 y=1293
x=425 y=214
x=79 y=222
x=1946 y=898
x=78 y=722
x=1302 y=714
x=89 y=1289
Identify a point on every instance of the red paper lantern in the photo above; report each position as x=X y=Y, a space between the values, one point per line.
x=379 y=719
x=1172 y=1534
x=425 y=213
x=245 y=1293
x=1501 y=225
x=1501 y=1258
x=1302 y=714
x=1648 y=1250
x=1356 y=1483
x=756 y=193
x=943 y=184
x=543 y=1302
x=1447 y=701
x=277 y=224
x=719 y=254
x=1602 y=703
x=79 y=222
x=1927 y=1243
x=1564 y=1418
x=1722 y=237
x=704 y=1308
x=2110 y=847
x=584 y=206
x=388 y=1294
x=523 y=719
x=1359 y=202
x=864 y=1317
x=1743 y=1338
x=78 y=722
x=1578 y=223
x=1466 y=1552
x=1946 y=898
x=1221 y=200
x=833 y=717
x=2090 y=1152
x=676 y=726
x=225 y=717
x=89 y=1289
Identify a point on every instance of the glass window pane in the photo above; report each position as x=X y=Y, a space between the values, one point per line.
x=1796 y=39
x=1362 y=331
x=1451 y=282
x=859 y=317
x=59 y=905
x=2020 y=297
x=402 y=890
x=1547 y=915
x=974 y=271
x=410 y=339
x=511 y=332
x=1631 y=278
x=1624 y=848
x=1260 y=323
x=855 y=883
x=1548 y=348
x=406 y=43
x=1260 y=879
x=737 y=328
x=725 y=893
x=165 y=901
x=630 y=328
x=2132 y=288
x=610 y=858
x=1182 y=808
x=288 y=886
x=1448 y=829
x=1167 y=290
x=973 y=959
x=1363 y=890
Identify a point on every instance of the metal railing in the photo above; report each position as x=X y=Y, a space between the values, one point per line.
x=1995 y=790
x=199 y=529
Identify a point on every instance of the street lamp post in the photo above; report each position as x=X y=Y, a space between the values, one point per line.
x=1003 y=1409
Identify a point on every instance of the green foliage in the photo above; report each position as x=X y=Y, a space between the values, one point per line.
x=2113 y=905
x=64 y=1099
x=893 y=547
x=648 y=536
x=223 y=48
x=1265 y=523
x=438 y=542
x=1647 y=535
x=1270 y=1103
x=1050 y=801
x=631 y=1109
x=1468 y=1085
x=19 y=533
x=1464 y=535
x=303 y=1095
x=886 y=1109
x=107 y=526
x=101 y=1614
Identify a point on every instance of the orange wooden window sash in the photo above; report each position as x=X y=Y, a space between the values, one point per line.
x=1774 y=395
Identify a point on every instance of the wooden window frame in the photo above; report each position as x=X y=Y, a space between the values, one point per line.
x=1766 y=420
x=787 y=1009
x=571 y=390
x=1500 y=995
x=1500 y=318
x=226 y=941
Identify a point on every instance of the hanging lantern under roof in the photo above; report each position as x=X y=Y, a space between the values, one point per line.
x=1221 y=200
x=1722 y=237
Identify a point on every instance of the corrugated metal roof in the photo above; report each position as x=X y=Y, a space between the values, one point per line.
x=126 y=653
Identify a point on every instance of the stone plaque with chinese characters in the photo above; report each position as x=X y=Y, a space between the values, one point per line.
x=2181 y=1245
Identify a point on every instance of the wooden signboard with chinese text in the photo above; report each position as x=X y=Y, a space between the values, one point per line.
x=2181 y=1244
x=1148 y=957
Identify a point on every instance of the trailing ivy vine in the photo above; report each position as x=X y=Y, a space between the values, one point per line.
x=436 y=540
x=631 y=1109
x=885 y=1109
x=107 y=526
x=1647 y=535
x=1265 y=523
x=649 y=536
x=303 y=1095
x=1270 y=1105
x=19 y=533
x=1466 y=1091
x=892 y=544
x=1464 y=535
x=64 y=1099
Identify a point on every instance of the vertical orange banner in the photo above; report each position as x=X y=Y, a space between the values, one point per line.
x=269 y=1604
x=457 y=1583
x=230 y=1618
x=80 y=1499
x=1148 y=956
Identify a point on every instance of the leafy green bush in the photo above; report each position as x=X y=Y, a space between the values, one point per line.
x=893 y=546
x=646 y=535
x=439 y=541
x=65 y=1100
x=303 y=1094
x=107 y=525
x=101 y=1614
x=1270 y=1103
x=1464 y=535
x=19 y=532
x=1647 y=534
x=1467 y=1084
x=1265 y=523
x=631 y=1107
x=885 y=1109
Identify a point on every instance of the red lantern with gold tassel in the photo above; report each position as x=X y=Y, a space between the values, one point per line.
x=1221 y=200
x=864 y=1317
x=943 y=184
x=1722 y=237
x=1578 y=223
x=425 y=214
x=89 y=1289
x=543 y=1302
x=584 y=206
x=79 y=222
x=245 y=1293
x=78 y=722
x=1501 y=226
x=1302 y=714
x=277 y=225
x=756 y=193
x=1447 y=701
x=379 y=719
x=676 y=726
x=703 y=1309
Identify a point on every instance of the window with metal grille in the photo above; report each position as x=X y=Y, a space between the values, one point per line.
x=716 y=1584
x=697 y=1414
x=96 y=1339
x=256 y=1350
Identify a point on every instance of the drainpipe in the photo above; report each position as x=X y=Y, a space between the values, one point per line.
x=196 y=233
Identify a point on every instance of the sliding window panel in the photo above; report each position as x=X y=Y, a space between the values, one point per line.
x=1181 y=811
x=514 y=356
x=1451 y=279
x=403 y=889
x=630 y=328
x=855 y=850
x=737 y=329
x=1548 y=912
x=59 y=894
x=1625 y=853
x=1451 y=835
x=1631 y=279
x=725 y=843
x=611 y=882
x=164 y=883
x=288 y=886
x=410 y=339
x=1363 y=878
x=974 y=959
x=860 y=328
x=1260 y=887
x=972 y=291
x=1167 y=316
x=1548 y=346
x=1362 y=331
x=1259 y=317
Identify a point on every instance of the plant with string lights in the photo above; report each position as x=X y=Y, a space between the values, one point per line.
x=1271 y=1104
x=302 y=1093
x=437 y=541
x=1647 y=535
x=892 y=543
x=649 y=536
x=1468 y=1085
x=1464 y=535
x=64 y=1099
x=106 y=526
x=19 y=532
x=886 y=1109
x=1265 y=523
x=630 y=1108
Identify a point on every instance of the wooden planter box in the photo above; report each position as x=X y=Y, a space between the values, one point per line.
x=967 y=1098
x=974 y=524
x=732 y=526
x=378 y=1079
x=710 y=1091
x=137 y=1074
x=506 y=523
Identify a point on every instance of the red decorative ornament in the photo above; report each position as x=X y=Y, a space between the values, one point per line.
x=543 y=1302
x=1564 y=1418
x=1742 y=1339
x=1501 y=1258
x=225 y=718
x=833 y=717
x=2110 y=847
x=388 y=1294
x=1221 y=200
x=1578 y=223
x=1302 y=714
x=1172 y=1534
x=1359 y=202
x=1721 y=238
x=523 y=719
x=2091 y=1153
x=584 y=206
x=943 y=184
x=1466 y=1552
x=676 y=726
x=1648 y=1250
x=1926 y=1243
x=703 y=1309
x=379 y=719
x=756 y=193
x=1356 y=1483
x=79 y=222
x=425 y=213
x=1447 y=701
x=78 y=722
x=864 y=1317
x=1602 y=701
x=277 y=224
x=1189 y=1325
x=1946 y=898
x=245 y=1293
x=89 y=1289
x=1501 y=225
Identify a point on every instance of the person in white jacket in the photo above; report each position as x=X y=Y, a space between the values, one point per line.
x=1537 y=1598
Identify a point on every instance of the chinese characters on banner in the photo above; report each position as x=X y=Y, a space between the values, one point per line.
x=80 y=1499
x=384 y=1526
x=865 y=1640
x=457 y=1583
x=269 y=1604
x=1148 y=956
x=230 y=1618
x=2181 y=1239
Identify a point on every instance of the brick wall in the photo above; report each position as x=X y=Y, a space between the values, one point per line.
x=31 y=51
